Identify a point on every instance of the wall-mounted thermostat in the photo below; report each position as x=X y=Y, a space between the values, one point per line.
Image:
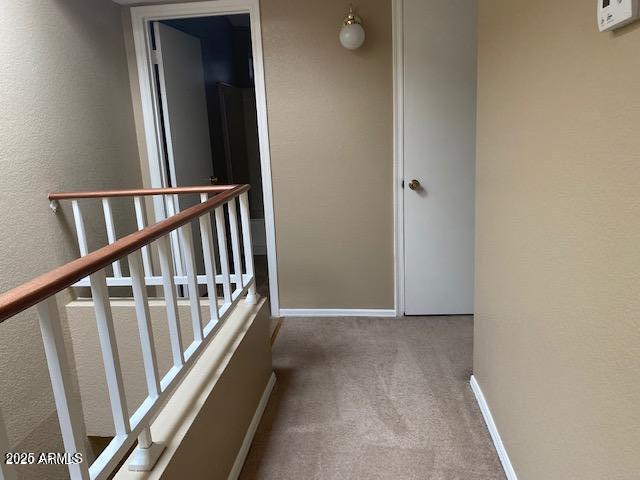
x=614 y=14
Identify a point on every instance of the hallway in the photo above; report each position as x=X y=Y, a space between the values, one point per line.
x=373 y=398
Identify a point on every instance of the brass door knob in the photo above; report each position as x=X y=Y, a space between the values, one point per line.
x=414 y=185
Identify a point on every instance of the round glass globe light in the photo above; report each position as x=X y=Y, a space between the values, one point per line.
x=352 y=36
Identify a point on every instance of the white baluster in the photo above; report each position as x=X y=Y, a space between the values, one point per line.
x=171 y=202
x=69 y=411
x=141 y=222
x=224 y=257
x=146 y=454
x=166 y=268
x=192 y=282
x=144 y=439
x=81 y=234
x=144 y=324
x=209 y=261
x=111 y=233
x=235 y=243
x=245 y=218
x=106 y=334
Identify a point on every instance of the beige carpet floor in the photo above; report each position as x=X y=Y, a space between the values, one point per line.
x=373 y=399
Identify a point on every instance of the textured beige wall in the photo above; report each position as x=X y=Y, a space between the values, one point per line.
x=66 y=123
x=330 y=114
x=558 y=200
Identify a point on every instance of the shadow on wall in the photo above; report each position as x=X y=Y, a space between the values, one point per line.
x=632 y=27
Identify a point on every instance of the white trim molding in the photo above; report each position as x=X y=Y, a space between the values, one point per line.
x=336 y=312
x=493 y=430
x=398 y=155
x=140 y=19
x=251 y=431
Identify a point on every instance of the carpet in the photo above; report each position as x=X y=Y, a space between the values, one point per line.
x=372 y=398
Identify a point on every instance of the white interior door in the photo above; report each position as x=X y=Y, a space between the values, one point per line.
x=186 y=121
x=439 y=152
x=184 y=102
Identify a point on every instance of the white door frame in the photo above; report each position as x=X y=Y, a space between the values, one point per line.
x=140 y=19
x=397 y=11
x=398 y=155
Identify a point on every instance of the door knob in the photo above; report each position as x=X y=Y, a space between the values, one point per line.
x=414 y=185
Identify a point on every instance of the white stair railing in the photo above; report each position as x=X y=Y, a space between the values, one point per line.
x=90 y=270
x=118 y=279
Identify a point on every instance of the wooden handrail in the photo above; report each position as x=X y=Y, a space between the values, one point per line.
x=139 y=192
x=30 y=293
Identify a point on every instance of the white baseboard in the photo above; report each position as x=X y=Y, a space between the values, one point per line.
x=251 y=431
x=493 y=430
x=335 y=312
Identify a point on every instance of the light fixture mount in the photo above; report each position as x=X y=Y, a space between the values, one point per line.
x=351 y=18
x=352 y=33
